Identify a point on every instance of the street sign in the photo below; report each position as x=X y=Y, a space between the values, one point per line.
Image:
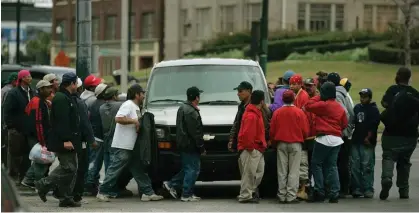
x=62 y=60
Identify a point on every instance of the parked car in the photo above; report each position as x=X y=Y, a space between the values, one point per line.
x=37 y=71
x=10 y=201
x=166 y=90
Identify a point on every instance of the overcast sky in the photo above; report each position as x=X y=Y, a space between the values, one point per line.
x=38 y=3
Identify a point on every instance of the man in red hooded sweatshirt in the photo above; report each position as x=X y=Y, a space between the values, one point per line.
x=301 y=96
x=251 y=145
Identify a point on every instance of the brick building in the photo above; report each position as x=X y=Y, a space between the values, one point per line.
x=146 y=31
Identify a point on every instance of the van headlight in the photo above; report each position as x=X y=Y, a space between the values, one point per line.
x=160 y=133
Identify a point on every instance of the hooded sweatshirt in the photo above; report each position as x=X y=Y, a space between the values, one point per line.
x=278 y=98
x=342 y=96
x=88 y=97
x=252 y=130
x=289 y=124
x=367 y=119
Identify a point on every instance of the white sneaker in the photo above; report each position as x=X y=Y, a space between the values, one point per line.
x=192 y=198
x=102 y=197
x=171 y=190
x=152 y=197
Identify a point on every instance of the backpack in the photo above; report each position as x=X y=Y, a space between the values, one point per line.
x=397 y=112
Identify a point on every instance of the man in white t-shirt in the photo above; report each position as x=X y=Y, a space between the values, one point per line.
x=121 y=152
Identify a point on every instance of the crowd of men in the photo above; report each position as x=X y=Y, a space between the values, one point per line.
x=312 y=123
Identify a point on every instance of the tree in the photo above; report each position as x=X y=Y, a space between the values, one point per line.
x=407 y=7
x=38 y=49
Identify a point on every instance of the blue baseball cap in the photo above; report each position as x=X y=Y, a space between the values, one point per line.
x=69 y=77
x=288 y=74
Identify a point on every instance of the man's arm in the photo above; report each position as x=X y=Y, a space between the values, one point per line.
x=192 y=125
x=122 y=116
x=387 y=98
x=316 y=106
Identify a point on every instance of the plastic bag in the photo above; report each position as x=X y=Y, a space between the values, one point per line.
x=40 y=154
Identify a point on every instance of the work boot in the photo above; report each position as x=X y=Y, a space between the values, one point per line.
x=385 y=189
x=302 y=194
x=42 y=192
x=69 y=203
x=404 y=193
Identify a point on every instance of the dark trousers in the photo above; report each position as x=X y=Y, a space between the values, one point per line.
x=186 y=178
x=397 y=150
x=63 y=176
x=343 y=166
x=4 y=146
x=18 y=161
x=83 y=162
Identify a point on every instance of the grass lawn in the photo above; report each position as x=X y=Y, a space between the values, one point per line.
x=378 y=77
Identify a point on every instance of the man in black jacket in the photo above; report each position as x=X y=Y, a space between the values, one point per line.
x=14 y=115
x=399 y=140
x=65 y=141
x=190 y=143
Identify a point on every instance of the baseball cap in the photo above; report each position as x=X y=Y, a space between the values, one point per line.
x=99 y=89
x=309 y=81
x=288 y=74
x=296 y=79
x=69 y=77
x=193 y=92
x=110 y=92
x=79 y=83
x=244 y=85
x=92 y=81
x=366 y=91
x=334 y=77
x=42 y=83
x=288 y=96
x=50 y=77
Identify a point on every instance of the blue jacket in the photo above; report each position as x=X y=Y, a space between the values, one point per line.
x=366 y=120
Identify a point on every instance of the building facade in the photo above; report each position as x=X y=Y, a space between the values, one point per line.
x=146 y=32
x=190 y=22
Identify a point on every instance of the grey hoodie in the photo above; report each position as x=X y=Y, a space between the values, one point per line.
x=88 y=97
x=343 y=97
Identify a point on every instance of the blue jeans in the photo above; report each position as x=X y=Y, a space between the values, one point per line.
x=106 y=160
x=95 y=165
x=120 y=159
x=362 y=168
x=36 y=172
x=323 y=164
x=191 y=166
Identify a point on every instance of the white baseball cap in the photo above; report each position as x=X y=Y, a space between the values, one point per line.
x=79 y=83
x=100 y=88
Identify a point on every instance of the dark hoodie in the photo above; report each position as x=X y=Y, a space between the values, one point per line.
x=367 y=119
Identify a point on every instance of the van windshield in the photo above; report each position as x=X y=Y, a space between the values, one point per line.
x=169 y=84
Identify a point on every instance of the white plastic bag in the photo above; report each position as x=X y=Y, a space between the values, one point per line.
x=40 y=154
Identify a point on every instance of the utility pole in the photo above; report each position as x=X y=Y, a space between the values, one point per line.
x=129 y=34
x=124 y=44
x=84 y=38
x=18 y=8
x=263 y=54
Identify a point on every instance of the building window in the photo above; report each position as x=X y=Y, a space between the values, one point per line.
x=386 y=14
x=227 y=18
x=302 y=16
x=203 y=23
x=368 y=17
x=147 y=23
x=61 y=24
x=133 y=30
x=340 y=14
x=254 y=13
x=184 y=22
x=320 y=17
x=95 y=28
x=110 y=32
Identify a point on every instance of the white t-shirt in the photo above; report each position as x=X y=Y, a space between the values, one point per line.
x=329 y=140
x=126 y=135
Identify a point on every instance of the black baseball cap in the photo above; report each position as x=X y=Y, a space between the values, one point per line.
x=69 y=77
x=309 y=81
x=244 y=85
x=366 y=91
x=193 y=92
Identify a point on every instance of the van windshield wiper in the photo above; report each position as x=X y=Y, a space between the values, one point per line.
x=219 y=102
x=167 y=100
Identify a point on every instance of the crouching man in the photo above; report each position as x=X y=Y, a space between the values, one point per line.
x=251 y=145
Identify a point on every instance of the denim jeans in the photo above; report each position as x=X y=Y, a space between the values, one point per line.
x=120 y=159
x=323 y=164
x=191 y=166
x=95 y=165
x=106 y=160
x=362 y=168
x=36 y=172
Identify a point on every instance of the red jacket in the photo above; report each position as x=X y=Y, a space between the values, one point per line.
x=301 y=99
x=330 y=116
x=311 y=118
x=252 y=130
x=289 y=124
x=37 y=120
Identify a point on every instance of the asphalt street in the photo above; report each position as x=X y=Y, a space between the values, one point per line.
x=220 y=196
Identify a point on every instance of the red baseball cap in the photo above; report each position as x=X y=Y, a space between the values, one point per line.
x=296 y=79
x=288 y=96
x=92 y=81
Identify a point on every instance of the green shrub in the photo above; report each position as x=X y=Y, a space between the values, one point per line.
x=382 y=52
x=347 y=55
x=322 y=48
x=228 y=54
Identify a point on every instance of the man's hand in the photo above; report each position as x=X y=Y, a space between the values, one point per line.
x=269 y=143
x=230 y=146
x=68 y=145
x=137 y=125
x=367 y=141
x=94 y=145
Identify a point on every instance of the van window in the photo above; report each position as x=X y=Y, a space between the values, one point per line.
x=217 y=82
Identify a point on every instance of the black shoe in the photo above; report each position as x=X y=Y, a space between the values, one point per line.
x=27 y=184
x=384 y=192
x=125 y=193
x=256 y=194
x=253 y=200
x=356 y=195
x=404 y=193
x=42 y=193
x=317 y=198
x=69 y=203
x=334 y=200
x=342 y=195
x=295 y=201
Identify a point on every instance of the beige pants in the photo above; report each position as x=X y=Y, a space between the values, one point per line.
x=288 y=165
x=304 y=166
x=252 y=167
